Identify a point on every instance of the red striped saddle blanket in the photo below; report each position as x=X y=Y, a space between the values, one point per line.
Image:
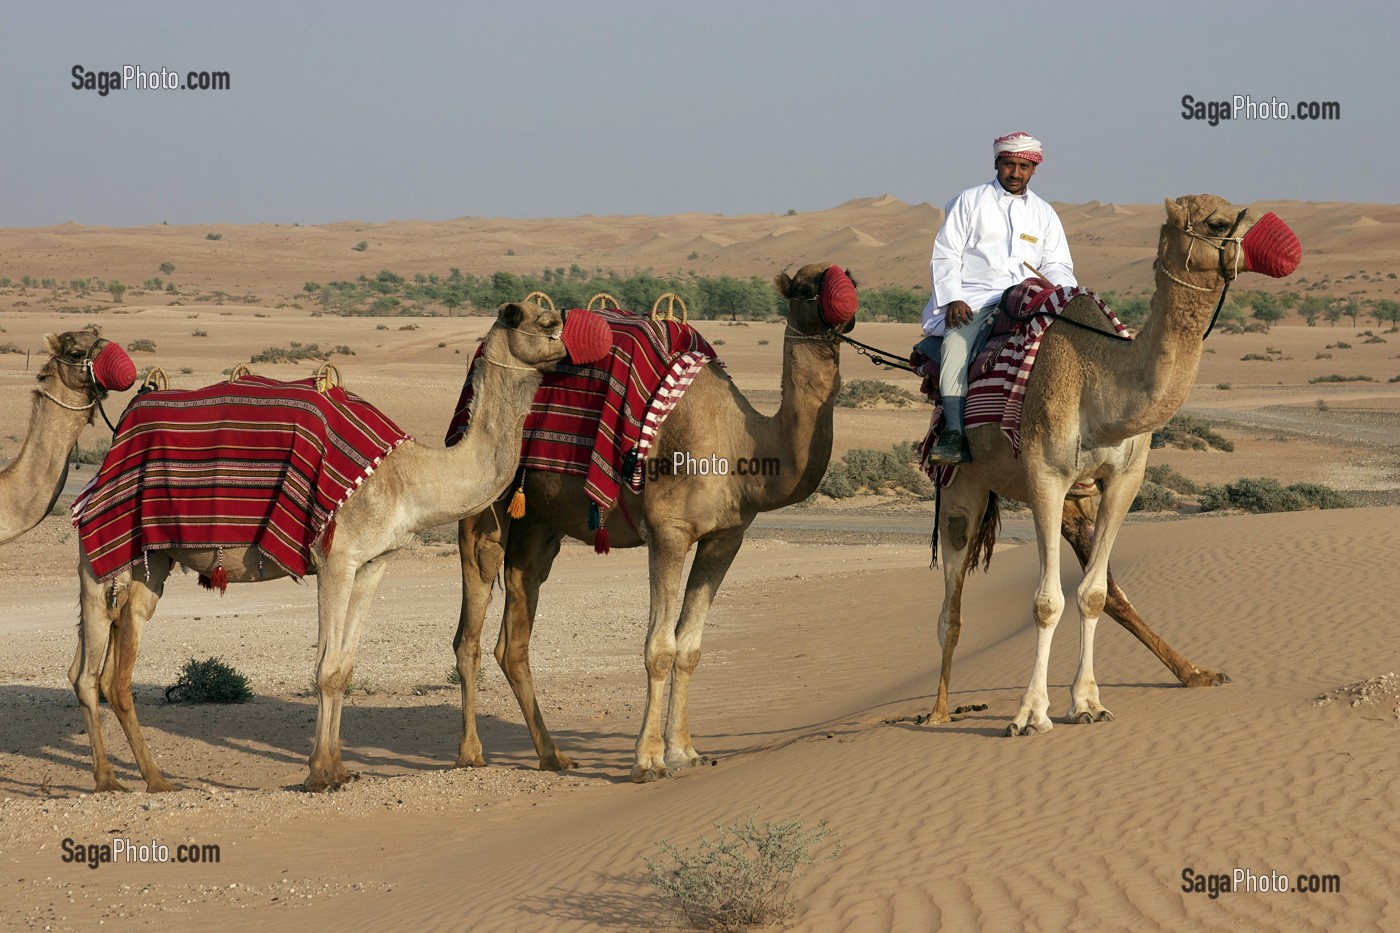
x=998 y=375
x=248 y=463
x=598 y=421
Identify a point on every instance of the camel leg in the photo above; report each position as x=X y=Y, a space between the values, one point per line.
x=367 y=580
x=114 y=635
x=1118 y=494
x=531 y=549
x=1046 y=499
x=665 y=561
x=335 y=584
x=479 y=544
x=95 y=651
x=1077 y=527
x=713 y=557
x=961 y=509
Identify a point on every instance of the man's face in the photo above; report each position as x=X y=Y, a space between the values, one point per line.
x=1014 y=174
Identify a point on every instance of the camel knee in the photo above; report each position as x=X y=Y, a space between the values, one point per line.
x=687 y=661
x=1047 y=609
x=956 y=533
x=1092 y=602
x=659 y=663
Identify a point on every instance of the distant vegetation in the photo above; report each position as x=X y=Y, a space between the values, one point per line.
x=297 y=352
x=1194 y=433
x=389 y=294
x=877 y=472
x=1269 y=495
x=867 y=393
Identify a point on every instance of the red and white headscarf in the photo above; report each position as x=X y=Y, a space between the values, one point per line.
x=1020 y=145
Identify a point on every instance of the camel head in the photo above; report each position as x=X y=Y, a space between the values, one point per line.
x=1206 y=237
x=86 y=363
x=539 y=337
x=821 y=299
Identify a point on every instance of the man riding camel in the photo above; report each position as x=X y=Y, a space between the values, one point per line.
x=994 y=236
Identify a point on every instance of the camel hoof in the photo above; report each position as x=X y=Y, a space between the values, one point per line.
x=1014 y=730
x=110 y=785
x=1085 y=718
x=934 y=718
x=1104 y=716
x=161 y=787
x=320 y=784
x=464 y=762
x=1200 y=678
x=642 y=775
x=557 y=762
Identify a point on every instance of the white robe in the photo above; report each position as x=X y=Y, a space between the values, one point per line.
x=986 y=237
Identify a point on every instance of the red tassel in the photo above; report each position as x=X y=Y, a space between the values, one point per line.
x=327 y=537
x=218 y=580
x=600 y=542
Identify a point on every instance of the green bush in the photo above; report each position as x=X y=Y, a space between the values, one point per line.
x=1194 y=433
x=145 y=344
x=166 y=268
x=1164 y=475
x=213 y=236
x=1334 y=377
x=1269 y=495
x=878 y=472
x=742 y=879
x=298 y=352
x=866 y=393
x=1153 y=498
x=209 y=681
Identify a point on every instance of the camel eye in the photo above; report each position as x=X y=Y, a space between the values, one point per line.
x=1218 y=226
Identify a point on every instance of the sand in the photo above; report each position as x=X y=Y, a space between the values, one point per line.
x=820 y=651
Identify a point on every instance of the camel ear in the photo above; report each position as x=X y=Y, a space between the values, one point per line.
x=53 y=345
x=783 y=283
x=1176 y=212
x=511 y=314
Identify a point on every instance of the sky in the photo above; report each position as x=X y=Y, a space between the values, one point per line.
x=557 y=108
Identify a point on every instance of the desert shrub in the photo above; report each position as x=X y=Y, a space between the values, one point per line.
x=876 y=471
x=1163 y=475
x=1336 y=377
x=866 y=393
x=361 y=246
x=1322 y=356
x=744 y=877
x=145 y=344
x=1194 y=433
x=1339 y=345
x=9 y=348
x=1374 y=339
x=1224 y=386
x=1153 y=498
x=1256 y=356
x=94 y=454
x=213 y=236
x=297 y=352
x=1269 y=495
x=200 y=333
x=117 y=289
x=167 y=267
x=209 y=681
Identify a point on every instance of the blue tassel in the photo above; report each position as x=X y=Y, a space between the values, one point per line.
x=595 y=521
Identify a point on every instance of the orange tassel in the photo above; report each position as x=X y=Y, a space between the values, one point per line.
x=517 y=503
x=600 y=542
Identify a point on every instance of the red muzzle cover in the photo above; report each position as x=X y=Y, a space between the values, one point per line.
x=1271 y=248
x=838 y=297
x=113 y=369
x=586 y=336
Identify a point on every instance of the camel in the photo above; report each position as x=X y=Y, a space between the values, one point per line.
x=672 y=514
x=415 y=487
x=1090 y=406
x=64 y=403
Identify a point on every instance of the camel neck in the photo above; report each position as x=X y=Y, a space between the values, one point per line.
x=799 y=434
x=33 y=481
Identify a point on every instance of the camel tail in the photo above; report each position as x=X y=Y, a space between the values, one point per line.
x=985 y=540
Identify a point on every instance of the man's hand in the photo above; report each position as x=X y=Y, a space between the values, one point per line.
x=959 y=313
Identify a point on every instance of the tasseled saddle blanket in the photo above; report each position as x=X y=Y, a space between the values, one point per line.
x=598 y=421
x=998 y=375
x=248 y=463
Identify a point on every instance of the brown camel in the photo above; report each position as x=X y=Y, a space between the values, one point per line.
x=1090 y=405
x=672 y=514
x=64 y=403
x=415 y=487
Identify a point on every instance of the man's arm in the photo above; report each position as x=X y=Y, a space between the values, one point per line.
x=1055 y=263
x=945 y=268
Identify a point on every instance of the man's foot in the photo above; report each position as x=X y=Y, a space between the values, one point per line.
x=951 y=448
x=1159 y=440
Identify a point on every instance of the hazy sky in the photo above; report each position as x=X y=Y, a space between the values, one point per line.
x=538 y=108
